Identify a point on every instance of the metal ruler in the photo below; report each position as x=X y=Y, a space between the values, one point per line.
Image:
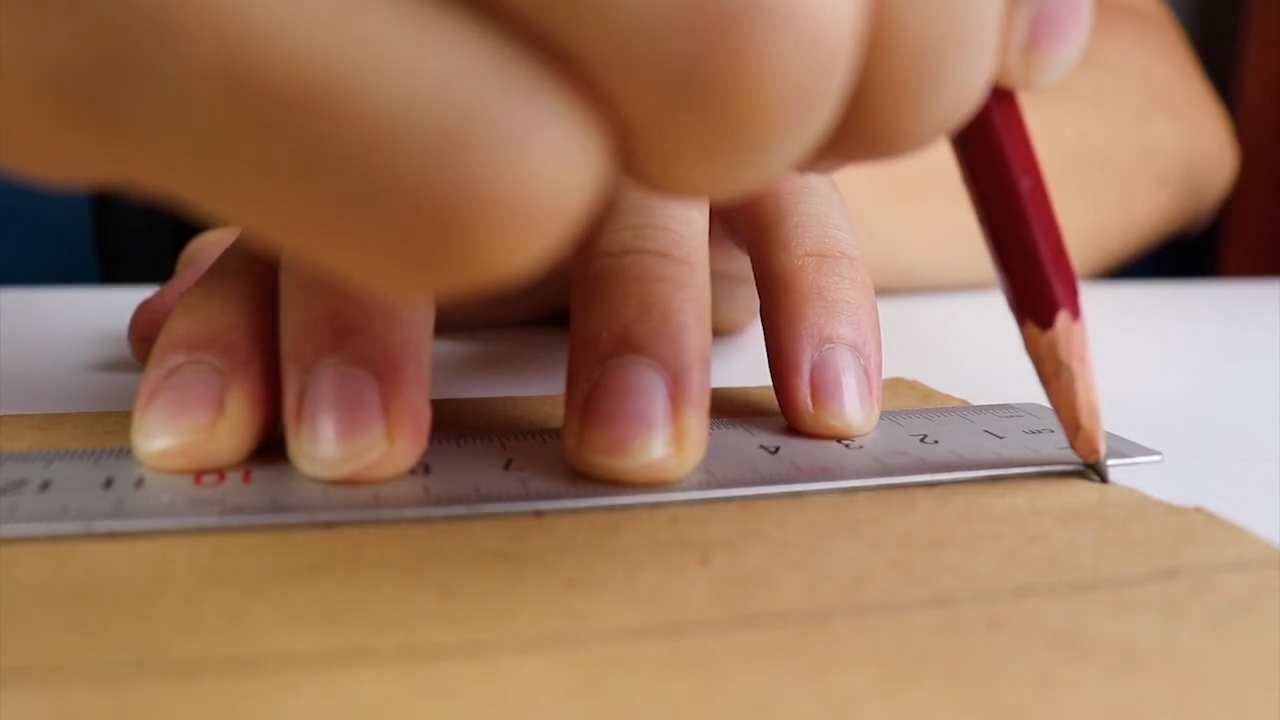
x=102 y=491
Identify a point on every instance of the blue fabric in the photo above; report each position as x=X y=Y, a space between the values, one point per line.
x=46 y=237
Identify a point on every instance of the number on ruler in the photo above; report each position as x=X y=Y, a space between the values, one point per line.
x=924 y=439
x=216 y=478
x=850 y=444
x=771 y=449
x=13 y=487
x=107 y=484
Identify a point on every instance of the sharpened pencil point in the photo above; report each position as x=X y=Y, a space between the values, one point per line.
x=1098 y=471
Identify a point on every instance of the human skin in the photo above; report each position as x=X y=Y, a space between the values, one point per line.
x=468 y=144
x=801 y=252
x=238 y=341
x=1134 y=146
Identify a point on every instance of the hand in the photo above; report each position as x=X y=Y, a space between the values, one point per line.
x=237 y=341
x=447 y=148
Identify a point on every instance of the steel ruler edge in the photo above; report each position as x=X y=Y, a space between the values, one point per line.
x=99 y=491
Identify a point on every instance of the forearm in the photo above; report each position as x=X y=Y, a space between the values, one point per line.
x=1135 y=148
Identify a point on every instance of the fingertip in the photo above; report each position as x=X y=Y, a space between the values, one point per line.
x=207 y=395
x=842 y=399
x=1046 y=41
x=356 y=377
x=627 y=428
x=189 y=416
x=346 y=430
x=818 y=307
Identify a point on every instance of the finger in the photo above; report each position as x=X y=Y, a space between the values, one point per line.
x=356 y=379
x=930 y=65
x=711 y=97
x=402 y=124
x=543 y=301
x=734 y=300
x=1045 y=41
x=817 y=305
x=208 y=396
x=151 y=314
x=638 y=387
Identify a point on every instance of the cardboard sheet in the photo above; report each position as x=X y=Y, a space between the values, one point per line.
x=1047 y=598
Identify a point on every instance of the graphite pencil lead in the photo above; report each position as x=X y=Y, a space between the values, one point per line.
x=1098 y=471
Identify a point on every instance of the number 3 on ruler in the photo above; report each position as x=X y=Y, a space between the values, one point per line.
x=214 y=478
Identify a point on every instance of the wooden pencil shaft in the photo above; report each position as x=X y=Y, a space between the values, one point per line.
x=1061 y=358
x=1013 y=206
x=1012 y=203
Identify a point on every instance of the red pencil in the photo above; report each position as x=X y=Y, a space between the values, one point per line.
x=1008 y=192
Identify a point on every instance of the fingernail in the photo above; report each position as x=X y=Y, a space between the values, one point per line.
x=185 y=406
x=1049 y=37
x=342 y=421
x=627 y=416
x=840 y=390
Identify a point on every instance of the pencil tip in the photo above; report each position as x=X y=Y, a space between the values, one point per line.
x=1098 y=472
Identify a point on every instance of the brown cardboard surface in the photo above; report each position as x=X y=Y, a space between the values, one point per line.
x=1047 y=598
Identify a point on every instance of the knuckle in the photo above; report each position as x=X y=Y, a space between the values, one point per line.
x=923 y=116
x=765 y=80
x=836 y=276
x=948 y=109
x=930 y=67
x=838 y=259
x=511 y=209
x=648 y=249
x=743 y=40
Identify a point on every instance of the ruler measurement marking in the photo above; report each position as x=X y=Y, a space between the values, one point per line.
x=79 y=491
x=1032 y=414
